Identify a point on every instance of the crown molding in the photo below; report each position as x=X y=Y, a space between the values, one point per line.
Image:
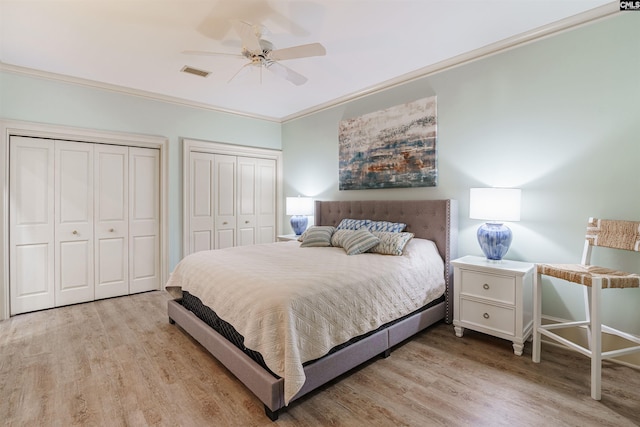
x=602 y=12
x=126 y=90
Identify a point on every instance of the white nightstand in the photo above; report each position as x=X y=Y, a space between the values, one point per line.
x=286 y=237
x=495 y=298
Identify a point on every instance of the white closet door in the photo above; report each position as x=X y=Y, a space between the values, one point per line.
x=144 y=219
x=246 y=185
x=201 y=208
x=266 y=201
x=225 y=201
x=74 y=277
x=31 y=224
x=111 y=204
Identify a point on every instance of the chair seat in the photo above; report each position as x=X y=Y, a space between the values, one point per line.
x=584 y=275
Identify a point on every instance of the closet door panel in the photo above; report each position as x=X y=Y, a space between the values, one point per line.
x=111 y=221
x=246 y=199
x=201 y=212
x=225 y=201
x=266 y=196
x=31 y=224
x=144 y=219
x=74 y=222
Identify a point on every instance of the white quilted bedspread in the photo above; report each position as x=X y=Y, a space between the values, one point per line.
x=294 y=304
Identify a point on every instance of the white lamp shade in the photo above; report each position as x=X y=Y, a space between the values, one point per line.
x=299 y=206
x=495 y=204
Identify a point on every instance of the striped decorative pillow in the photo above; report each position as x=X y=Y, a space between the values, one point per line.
x=337 y=239
x=391 y=243
x=359 y=241
x=317 y=236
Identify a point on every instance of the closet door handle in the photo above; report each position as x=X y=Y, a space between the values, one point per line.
x=111 y=230
x=485 y=286
x=74 y=232
x=246 y=222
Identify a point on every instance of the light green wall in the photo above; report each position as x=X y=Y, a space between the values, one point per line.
x=558 y=118
x=53 y=102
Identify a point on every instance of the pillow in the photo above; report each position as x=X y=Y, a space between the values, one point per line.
x=391 y=243
x=317 y=236
x=339 y=236
x=353 y=224
x=394 y=227
x=359 y=241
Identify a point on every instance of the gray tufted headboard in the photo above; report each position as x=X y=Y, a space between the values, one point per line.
x=435 y=220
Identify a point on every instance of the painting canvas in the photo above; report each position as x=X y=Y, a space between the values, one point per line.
x=392 y=148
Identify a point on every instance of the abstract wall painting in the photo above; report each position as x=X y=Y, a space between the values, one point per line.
x=392 y=148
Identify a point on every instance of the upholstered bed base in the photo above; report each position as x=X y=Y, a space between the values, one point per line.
x=269 y=389
x=428 y=219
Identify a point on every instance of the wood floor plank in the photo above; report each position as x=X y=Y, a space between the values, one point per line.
x=118 y=362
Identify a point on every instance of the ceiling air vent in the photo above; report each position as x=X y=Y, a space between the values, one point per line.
x=195 y=71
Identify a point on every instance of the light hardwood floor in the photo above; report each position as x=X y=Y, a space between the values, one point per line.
x=118 y=362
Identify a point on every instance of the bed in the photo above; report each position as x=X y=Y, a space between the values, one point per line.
x=305 y=359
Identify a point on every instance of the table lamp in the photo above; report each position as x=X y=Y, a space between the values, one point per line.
x=300 y=208
x=494 y=205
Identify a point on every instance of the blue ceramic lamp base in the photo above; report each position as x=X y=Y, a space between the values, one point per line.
x=494 y=240
x=299 y=224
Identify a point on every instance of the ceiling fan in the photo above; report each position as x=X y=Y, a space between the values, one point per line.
x=261 y=53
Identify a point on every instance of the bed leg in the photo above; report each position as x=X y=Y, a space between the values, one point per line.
x=386 y=353
x=171 y=321
x=273 y=415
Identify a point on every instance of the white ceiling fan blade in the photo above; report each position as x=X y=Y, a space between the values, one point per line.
x=204 y=53
x=249 y=34
x=287 y=73
x=302 y=51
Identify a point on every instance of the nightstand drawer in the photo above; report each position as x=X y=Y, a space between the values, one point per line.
x=499 y=319
x=489 y=286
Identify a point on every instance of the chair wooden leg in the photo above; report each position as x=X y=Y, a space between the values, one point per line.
x=537 y=316
x=596 y=339
x=587 y=312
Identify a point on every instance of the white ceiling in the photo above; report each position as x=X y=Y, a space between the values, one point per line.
x=136 y=45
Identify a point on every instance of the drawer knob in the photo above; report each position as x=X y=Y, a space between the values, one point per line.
x=486 y=315
x=485 y=286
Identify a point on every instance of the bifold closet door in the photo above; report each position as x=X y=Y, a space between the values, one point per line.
x=73 y=205
x=201 y=207
x=231 y=201
x=111 y=200
x=144 y=219
x=224 y=195
x=265 y=201
x=31 y=224
x=256 y=189
x=246 y=200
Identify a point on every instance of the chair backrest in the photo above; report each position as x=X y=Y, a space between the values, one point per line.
x=611 y=233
